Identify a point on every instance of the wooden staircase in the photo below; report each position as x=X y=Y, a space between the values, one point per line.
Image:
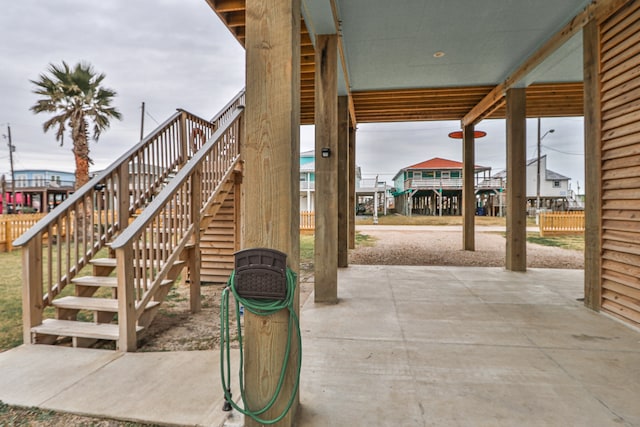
x=71 y=321
x=166 y=210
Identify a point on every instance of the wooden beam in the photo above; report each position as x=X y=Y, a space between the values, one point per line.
x=468 y=189
x=326 y=120
x=592 y=168
x=352 y=186
x=516 y=257
x=343 y=181
x=343 y=61
x=270 y=208
x=595 y=10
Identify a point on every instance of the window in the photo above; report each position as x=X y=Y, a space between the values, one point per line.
x=556 y=184
x=455 y=174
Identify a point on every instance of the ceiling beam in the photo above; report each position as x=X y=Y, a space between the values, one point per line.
x=343 y=61
x=598 y=9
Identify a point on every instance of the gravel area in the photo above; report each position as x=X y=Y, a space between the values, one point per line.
x=429 y=246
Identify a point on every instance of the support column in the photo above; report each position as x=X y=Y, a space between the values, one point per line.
x=592 y=168
x=468 y=189
x=516 y=257
x=326 y=119
x=271 y=186
x=343 y=181
x=352 y=187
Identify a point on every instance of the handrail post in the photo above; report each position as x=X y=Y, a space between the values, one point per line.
x=127 y=340
x=184 y=155
x=123 y=195
x=194 y=254
x=31 y=286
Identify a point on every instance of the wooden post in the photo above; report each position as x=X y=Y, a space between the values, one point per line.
x=343 y=181
x=326 y=120
x=194 y=256
x=516 y=257
x=31 y=286
x=352 y=186
x=127 y=340
x=592 y=167
x=8 y=235
x=271 y=186
x=123 y=196
x=468 y=189
x=184 y=144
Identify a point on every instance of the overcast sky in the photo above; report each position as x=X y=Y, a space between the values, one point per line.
x=177 y=54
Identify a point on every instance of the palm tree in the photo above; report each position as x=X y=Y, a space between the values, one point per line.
x=76 y=98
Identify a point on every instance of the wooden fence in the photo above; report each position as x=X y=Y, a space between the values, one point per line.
x=561 y=223
x=307 y=222
x=12 y=226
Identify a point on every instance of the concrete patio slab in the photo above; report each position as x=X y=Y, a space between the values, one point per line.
x=404 y=346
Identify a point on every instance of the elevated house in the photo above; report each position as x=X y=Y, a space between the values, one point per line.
x=38 y=190
x=555 y=192
x=335 y=64
x=433 y=187
x=307 y=180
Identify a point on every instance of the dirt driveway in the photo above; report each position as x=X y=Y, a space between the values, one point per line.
x=433 y=245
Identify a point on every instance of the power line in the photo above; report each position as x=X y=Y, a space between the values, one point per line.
x=563 y=152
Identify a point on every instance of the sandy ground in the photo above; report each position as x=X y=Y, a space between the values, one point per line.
x=435 y=247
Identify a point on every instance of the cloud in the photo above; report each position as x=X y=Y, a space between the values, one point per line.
x=170 y=54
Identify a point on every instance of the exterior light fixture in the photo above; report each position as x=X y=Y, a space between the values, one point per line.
x=439 y=54
x=326 y=152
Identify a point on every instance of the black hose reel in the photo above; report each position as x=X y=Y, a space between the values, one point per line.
x=261 y=273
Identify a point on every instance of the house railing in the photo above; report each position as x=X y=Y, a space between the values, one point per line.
x=561 y=223
x=65 y=240
x=433 y=183
x=170 y=225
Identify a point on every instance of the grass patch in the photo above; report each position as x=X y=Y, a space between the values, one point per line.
x=307 y=248
x=364 y=239
x=11 y=297
x=575 y=243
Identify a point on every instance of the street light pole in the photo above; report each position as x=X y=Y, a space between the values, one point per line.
x=13 y=178
x=540 y=138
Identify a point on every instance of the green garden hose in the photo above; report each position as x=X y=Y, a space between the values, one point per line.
x=260 y=308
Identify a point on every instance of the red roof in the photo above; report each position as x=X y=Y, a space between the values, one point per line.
x=438 y=163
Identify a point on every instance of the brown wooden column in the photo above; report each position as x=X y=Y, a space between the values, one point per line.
x=352 y=187
x=271 y=184
x=468 y=189
x=592 y=167
x=343 y=181
x=516 y=257
x=326 y=119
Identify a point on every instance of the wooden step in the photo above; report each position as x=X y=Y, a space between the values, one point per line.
x=97 y=281
x=92 y=304
x=111 y=262
x=70 y=328
x=108 y=282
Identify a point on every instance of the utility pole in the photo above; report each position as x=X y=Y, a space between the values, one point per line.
x=375 y=201
x=142 y=122
x=13 y=178
x=540 y=138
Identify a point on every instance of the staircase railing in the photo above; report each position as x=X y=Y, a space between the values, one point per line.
x=154 y=241
x=64 y=241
